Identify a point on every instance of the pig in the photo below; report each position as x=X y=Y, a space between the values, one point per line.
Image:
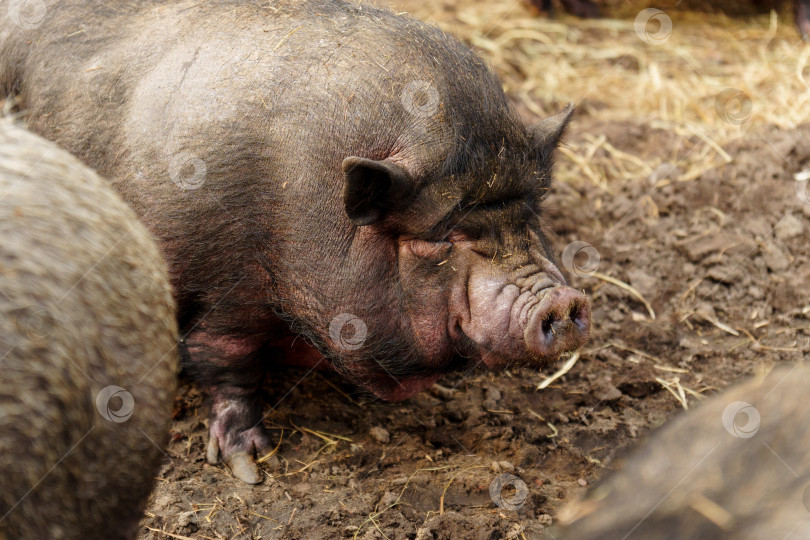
x=588 y=9
x=88 y=348
x=317 y=169
x=736 y=467
x=579 y=8
x=801 y=15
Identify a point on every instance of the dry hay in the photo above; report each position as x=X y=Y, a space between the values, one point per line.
x=713 y=80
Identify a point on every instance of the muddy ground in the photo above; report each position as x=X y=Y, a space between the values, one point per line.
x=723 y=260
x=727 y=253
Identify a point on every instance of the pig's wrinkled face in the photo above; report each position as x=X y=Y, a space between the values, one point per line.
x=457 y=272
x=480 y=282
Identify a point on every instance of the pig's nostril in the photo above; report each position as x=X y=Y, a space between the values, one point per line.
x=548 y=324
x=573 y=313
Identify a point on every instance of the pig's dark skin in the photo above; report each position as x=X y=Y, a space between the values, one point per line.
x=579 y=8
x=696 y=479
x=589 y=10
x=801 y=14
x=333 y=186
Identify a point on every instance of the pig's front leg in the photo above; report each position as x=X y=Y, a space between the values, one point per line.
x=230 y=367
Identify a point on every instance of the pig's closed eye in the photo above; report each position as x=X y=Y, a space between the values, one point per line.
x=427 y=249
x=455 y=236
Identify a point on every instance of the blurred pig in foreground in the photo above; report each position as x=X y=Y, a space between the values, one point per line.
x=87 y=349
x=736 y=467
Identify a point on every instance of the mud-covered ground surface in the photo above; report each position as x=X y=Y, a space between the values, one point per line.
x=722 y=259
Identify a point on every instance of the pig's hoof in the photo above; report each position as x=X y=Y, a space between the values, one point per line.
x=240 y=459
x=212 y=453
x=241 y=464
x=243 y=467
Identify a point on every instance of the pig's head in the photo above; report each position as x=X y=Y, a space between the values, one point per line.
x=448 y=268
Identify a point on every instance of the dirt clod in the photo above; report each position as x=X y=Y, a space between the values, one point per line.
x=380 y=435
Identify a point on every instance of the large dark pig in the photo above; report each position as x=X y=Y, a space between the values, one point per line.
x=316 y=168
x=736 y=467
x=88 y=349
x=590 y=9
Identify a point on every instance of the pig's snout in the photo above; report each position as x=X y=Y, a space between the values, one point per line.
x=561 y=322
x=534 y=325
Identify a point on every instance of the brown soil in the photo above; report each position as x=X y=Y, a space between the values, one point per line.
x=723 y=258
x=720 y=248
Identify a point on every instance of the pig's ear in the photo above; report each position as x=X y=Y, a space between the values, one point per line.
x=546 y=134
x=372 y=188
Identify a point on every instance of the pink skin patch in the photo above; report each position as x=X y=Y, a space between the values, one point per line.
x=227 y=346
x=389 y=388
x=408 y=387
x=491 y=301
x=297 y=352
